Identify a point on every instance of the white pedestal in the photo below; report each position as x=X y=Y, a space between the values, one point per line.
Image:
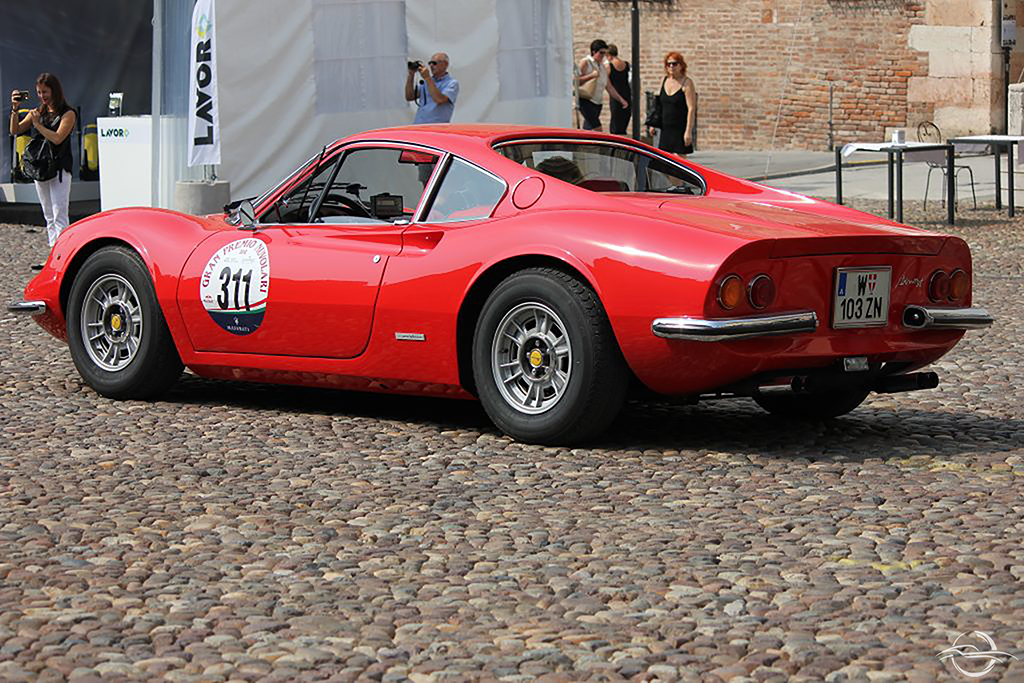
x=126 y=161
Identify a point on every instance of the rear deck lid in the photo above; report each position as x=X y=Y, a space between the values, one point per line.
x=819 y=229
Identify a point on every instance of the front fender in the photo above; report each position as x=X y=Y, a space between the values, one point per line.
x=163 y=240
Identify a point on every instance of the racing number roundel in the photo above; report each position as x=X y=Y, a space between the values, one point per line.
x=235 y=284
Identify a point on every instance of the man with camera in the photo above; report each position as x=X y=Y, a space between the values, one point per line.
x=435 y=95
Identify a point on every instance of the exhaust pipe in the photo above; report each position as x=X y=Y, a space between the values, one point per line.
x=885 y=384
x=893 y=384
x=923 y=318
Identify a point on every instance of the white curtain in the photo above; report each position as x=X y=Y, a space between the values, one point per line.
x=171 y=99
x=358 y=47
x=525 y=50
x=293 y=80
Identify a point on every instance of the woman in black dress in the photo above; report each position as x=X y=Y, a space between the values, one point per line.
x=618 y=75
x=675 y=108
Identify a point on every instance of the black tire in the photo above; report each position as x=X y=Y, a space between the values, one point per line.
x=816 y=406
x=145 y=362
x=596 y=375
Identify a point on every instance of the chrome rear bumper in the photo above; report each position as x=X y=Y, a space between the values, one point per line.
x=725 y=329
x=924 y=318
x=27 y=307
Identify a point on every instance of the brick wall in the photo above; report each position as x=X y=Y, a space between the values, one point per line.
x=763 y=68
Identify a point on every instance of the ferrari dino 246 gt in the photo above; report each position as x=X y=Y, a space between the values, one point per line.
x=546 y=272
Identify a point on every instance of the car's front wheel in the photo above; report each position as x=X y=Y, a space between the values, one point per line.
x=815 y=406
x=545 y=361
x=116 y=331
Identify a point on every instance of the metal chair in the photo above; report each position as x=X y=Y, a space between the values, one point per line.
x=929 y=132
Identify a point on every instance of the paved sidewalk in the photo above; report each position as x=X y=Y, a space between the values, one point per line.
x=236 y=532
x=813 y=173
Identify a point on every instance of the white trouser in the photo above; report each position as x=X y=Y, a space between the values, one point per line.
x=53 y=195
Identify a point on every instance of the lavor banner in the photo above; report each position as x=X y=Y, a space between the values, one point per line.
x=203 y=121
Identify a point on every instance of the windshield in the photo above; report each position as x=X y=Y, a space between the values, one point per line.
x=603 y=166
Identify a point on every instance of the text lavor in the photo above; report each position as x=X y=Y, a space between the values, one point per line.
x=204 y=101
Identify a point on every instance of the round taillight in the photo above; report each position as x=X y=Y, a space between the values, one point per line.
x=730 y=292
x=959 y=284
x=761 y=291
x=938 y=286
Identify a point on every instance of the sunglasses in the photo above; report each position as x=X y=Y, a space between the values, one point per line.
x=432 y=63
x=671 y=63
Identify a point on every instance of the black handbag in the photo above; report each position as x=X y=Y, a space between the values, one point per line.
x=39 y=160
x=653 y=118
x=654 y=115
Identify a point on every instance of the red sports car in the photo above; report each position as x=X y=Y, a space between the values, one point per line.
x=546 y=272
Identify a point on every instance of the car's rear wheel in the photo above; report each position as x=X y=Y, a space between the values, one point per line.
x=815 y=406
x=545 y=361
x=116 y=331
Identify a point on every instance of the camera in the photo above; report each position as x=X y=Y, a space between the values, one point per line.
x=414 y=66
x=22 y=95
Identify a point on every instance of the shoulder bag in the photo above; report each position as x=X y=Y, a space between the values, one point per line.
x=39 y=160
x=589 y=88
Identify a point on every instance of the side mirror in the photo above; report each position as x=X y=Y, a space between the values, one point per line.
x=246 y=215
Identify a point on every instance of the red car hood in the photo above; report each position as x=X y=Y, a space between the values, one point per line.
x=796 y=230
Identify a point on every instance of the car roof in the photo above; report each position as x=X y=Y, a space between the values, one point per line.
x=461 y=138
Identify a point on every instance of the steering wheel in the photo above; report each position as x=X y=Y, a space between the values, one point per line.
x=349 y=203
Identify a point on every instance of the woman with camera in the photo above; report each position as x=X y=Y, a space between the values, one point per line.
x=53 y=120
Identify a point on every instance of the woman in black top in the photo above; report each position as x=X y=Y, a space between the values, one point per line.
x=675 y=108
x=618 y=75
x=54 y=120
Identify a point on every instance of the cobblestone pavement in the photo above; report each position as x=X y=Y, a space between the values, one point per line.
x=233 y=532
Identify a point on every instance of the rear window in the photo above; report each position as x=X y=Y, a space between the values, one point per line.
x=466 y=193
x=603 y=167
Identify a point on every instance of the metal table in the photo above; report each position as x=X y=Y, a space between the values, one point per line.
x=895 y=152
x=996 y=142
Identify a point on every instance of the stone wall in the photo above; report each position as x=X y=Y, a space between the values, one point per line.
x=963 y=82
x=764 y=68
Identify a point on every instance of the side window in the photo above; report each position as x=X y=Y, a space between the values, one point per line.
x=294 y=206
x=371 y=185
x=466 y=193
x=378 y=183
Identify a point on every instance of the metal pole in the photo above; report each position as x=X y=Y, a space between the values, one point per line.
x=831 y=134
x=1006 y=91
x=157 y=99
x=899 y=186
x=950 y=185
x=890 y=183
x=999 y=190
x=1010 y=199
x=839 y=176
x=635 y=103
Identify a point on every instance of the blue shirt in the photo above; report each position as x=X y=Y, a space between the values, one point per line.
x=430 y=111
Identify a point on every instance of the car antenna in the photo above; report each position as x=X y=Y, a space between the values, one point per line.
x=313 y=175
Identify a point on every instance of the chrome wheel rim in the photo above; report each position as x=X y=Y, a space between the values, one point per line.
x=111 y=322
x=531 y=358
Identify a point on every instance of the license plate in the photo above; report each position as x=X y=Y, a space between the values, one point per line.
x=861 y=297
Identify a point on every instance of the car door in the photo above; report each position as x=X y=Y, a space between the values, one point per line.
x=304 y=280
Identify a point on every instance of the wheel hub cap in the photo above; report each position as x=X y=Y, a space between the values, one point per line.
x=111 y=322
x=531 y=358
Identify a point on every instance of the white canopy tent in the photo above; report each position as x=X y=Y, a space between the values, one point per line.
x=293 y=77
